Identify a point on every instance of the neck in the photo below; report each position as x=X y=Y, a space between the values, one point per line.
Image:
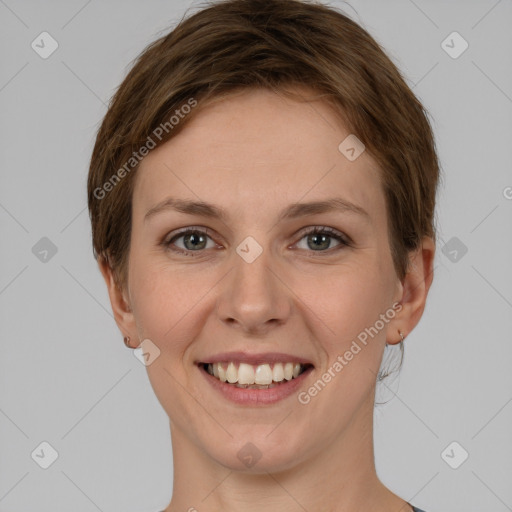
x=341 y=478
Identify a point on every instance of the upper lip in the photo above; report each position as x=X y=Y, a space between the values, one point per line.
x=255 y=359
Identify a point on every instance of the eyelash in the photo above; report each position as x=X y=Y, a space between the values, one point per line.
x=324 y=230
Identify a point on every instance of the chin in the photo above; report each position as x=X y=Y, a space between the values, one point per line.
x=256 y=453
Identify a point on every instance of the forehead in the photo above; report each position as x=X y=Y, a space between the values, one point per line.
x=255 y=150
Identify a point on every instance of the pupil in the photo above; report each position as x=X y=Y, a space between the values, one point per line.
x=195 y=239
x=323 y=239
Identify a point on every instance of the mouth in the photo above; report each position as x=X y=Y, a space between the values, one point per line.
x=255 y=376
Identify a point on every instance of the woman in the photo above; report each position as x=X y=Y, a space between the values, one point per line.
x=262 y=194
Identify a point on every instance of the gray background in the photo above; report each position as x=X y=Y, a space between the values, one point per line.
x=66 y=377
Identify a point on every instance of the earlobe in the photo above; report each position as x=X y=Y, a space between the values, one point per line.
x=121 y=308
x=415 y=288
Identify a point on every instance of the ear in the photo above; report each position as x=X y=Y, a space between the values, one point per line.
x=414 y=290
x=120 y=303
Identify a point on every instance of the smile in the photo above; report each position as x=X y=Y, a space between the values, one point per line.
x=242 y=383
x=261 y=376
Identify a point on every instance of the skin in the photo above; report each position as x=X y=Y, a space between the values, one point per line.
x=253 y=154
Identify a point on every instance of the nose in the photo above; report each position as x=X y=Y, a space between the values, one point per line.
x=254 y=297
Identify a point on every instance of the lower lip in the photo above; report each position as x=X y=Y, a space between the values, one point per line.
x=247 y=396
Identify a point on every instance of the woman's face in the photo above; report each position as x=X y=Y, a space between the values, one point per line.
x=255 y=283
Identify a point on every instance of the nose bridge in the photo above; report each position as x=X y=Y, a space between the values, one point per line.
x=252 y=296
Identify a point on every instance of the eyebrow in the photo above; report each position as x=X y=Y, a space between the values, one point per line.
x=293 y=211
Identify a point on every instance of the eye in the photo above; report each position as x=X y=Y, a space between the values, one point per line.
x=194 y=240
x=319 y=239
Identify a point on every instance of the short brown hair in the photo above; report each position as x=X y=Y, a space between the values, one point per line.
x=236 y=44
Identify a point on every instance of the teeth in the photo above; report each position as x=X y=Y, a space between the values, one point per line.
x=258 y=376
x=278 y=373
x=262 y=375
x=246 y=374
x=232 y=373
x=220 y=371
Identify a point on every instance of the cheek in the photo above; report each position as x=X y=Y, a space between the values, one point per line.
x=161 y=299
x=344 y=310
x=171 y=306
x=165 y=311
x=347 y=299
